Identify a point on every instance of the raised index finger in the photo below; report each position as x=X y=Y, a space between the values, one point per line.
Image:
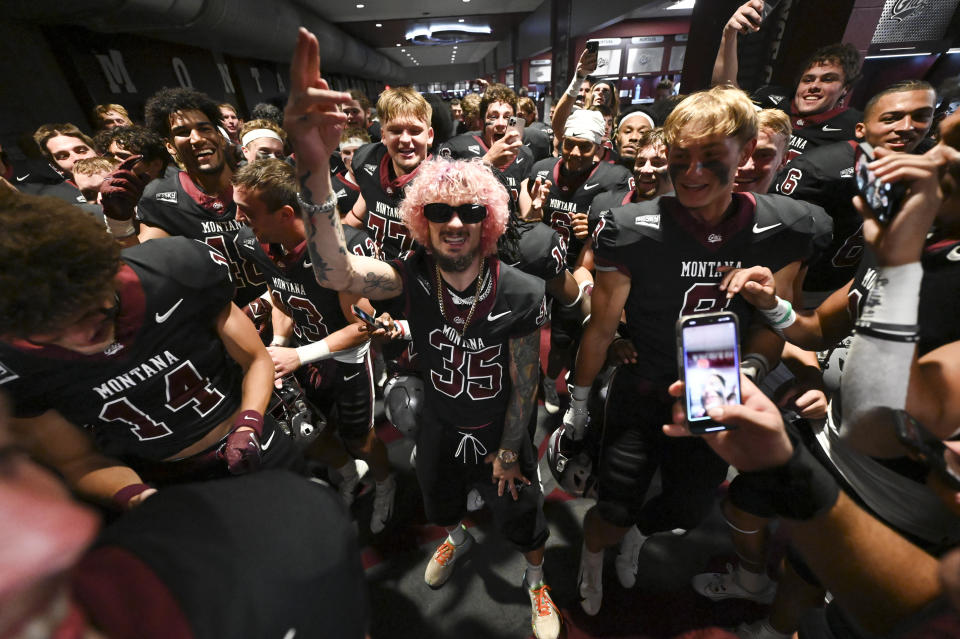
x=305 y=66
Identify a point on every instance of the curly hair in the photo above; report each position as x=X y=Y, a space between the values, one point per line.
x=59 y=261
x=452 y=181
x=165 y=102
x=136 y=139
x=497 y=93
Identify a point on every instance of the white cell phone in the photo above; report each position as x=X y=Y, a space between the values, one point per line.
x=708 y=349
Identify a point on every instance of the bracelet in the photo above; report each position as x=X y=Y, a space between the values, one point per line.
x=313 y=352
x=328 y=205
x=121 y=499
x=404 y=327
x=889 y=332
x=279 y=340
x=120 y=229
x=580 y=393
x=574 y=302
x=251 y=419
x=780 y=316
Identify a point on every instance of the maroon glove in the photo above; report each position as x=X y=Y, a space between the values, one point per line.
x=259 y=311
x=121 y=190
x=242 y=448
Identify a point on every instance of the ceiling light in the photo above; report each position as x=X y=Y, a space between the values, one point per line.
x=361 y=6
x=428 y=31
x=379 y=24
x=682 y=4
x=398 y=44
x=403 y=50
x=460 y=20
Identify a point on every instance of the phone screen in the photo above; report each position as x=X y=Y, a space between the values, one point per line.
x=366 y=317
x=593 y=46
x=711 y=367
x=882 y=198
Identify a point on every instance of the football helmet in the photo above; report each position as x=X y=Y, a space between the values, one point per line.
x=571 y=465
x=403 y=403
x=294 y=414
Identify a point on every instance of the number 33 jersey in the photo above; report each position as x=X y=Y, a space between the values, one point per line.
x=166 y=381
x=673 y=261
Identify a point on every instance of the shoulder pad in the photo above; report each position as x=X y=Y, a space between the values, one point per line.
x=191 y=263
x=794 y=215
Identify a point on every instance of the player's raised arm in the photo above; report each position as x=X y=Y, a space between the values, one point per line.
x=314 y=122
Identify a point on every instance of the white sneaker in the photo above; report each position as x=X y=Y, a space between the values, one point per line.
x=545 y=619
x=759 y=630
x=551 y=400
x=626 y=562
x=383 y=497
x=719 y=586
x=440 y=566
x=348 y=484
x=590 y=585
x=474 y=501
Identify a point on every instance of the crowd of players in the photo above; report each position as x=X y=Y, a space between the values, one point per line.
x=201 y=309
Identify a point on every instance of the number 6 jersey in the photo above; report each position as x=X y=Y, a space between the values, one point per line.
x=165 y=382
x=673 y=261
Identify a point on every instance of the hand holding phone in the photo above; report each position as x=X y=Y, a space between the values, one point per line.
x=709 y=362
x=593 y=46
x=883 y=199
x=366 y=317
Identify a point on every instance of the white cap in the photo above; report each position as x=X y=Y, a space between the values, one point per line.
x=642 y=114
x=585 y=124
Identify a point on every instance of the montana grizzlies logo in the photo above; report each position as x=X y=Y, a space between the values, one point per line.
x=903 y=9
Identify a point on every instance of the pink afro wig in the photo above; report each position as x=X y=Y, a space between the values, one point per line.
x=456 y=182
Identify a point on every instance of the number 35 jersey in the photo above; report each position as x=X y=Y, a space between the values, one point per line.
x=166 y=381
x=467 y=379
x=673 y=261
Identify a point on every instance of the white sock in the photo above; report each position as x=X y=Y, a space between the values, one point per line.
x=534 y=575
x=592 y=559
x=752 y=581
x=457 y=535
x=348 y=471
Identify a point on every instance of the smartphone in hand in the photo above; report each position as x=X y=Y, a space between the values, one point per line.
x=365 y=316
x=708 y=351
x=883 y=199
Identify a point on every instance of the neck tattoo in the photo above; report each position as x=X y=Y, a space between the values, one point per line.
x=473 y=307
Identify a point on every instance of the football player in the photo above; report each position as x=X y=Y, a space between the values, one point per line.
x=658 y=261
x=131 y=367
x=572 y=182
x=770 y=154
x=499 y=144
x=473 y=322
x=198 y=201
x=328 y=348
x=897 y=118
x=61 y=145
x=650 y=176
x=631 y=127
x=816 y=109
x=383 y=169
x=345 y=181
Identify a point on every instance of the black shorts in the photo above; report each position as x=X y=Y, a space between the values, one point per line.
x=566 y=324
x=445 y=479
x=348 y=388
x=634 y=448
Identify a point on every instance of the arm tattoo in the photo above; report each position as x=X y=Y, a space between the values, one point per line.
x=373 y=282
x=524 y=375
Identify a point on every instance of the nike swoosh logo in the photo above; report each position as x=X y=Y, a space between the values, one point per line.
x=761 y=229
x=954 y=254
x=491 y=317
x=307 y=264
x=592 y=186
x=519 y=160
x=163 y=318
x=829 y=129
x=347 y=379
x=21 y=179
x=265 y=445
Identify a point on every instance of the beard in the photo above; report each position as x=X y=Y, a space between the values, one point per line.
x=455 y=264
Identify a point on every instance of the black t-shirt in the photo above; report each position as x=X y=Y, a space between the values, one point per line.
x=563 y=203
x=346 y=191
x=672 y=262
x=824 y=176
x=167 y=205
x=538 y=137
x=382 y=193
x=471 y=145
x=168 y=379
x=268 y=554
x=467 y=379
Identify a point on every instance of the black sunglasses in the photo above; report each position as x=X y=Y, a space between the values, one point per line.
x=441 y=213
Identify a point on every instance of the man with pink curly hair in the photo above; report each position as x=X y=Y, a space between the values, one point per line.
x=473 y=322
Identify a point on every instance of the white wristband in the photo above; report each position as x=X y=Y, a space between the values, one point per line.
x=404 y=327
x=574 y=87
x=313 y=352
x=120 y=229
x=780 y=316
x=279 y=340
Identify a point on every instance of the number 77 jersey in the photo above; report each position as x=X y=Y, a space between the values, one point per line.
x=165 y=382
x=673 y=261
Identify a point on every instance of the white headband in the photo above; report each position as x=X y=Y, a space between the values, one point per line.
x=643 y=115
x=351 y=142
x=256 y=134
x=585 y=124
